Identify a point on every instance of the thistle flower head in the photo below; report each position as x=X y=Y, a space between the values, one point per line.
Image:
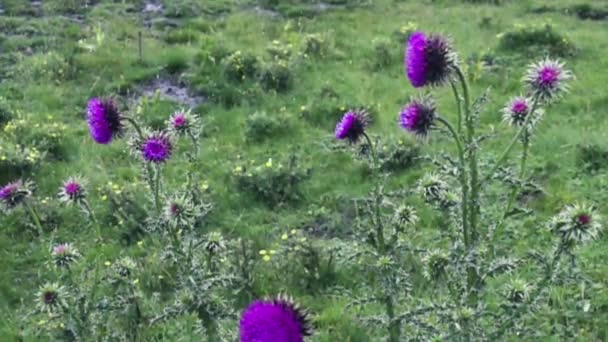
x=125 y=267
x=405 y=215
x=547 y=79
x=352 y=126
x=72 y=191
x=51 y=297
x=418 y=116
x=435 y=263
x=577 y=223
x=156 y=147
x=184 y=122
x=104 y=119
x=13 y=194
x=517 y=110
x=215 y=242
x=64 y=254
x=429 y=60
x=517 y=291
x=274 y=320
x=433 y=188
x=180 y=212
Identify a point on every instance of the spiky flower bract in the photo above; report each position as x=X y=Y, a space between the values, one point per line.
x=64 y=254
x=104 y=120
x=547 y=79
x=51 y=298
x=184 y=123
x=352 y=125
x=577 y=223
x=180 y=212
x=14 y=193
x=517 y=291
x=276 y=320
x=517 y=110
x=215 y=242
x=429 y=60
x=435 y=263
x=418 y=116
x=433 y=189
x=156 y=147
x=72 y=191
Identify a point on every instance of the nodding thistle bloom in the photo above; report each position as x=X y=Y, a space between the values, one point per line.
x=180 y=212
x=13 y=194
x=352 y=126
x=51 y=298
x=517 y=110
x=517 y=291
x=435 y=264
x=215 y=242
x=184 y=123
x=156 y=148
x=64 y=254
x=547 y=79
x=433 y=189
x=429 y=60
x=577 y=223
x=275 y=320
x=418 y=116
x=72 y=191
x=104 y=119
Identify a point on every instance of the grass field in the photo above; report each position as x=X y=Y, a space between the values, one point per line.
x=269 y=80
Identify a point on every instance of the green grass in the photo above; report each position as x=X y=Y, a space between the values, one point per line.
x=48 y=75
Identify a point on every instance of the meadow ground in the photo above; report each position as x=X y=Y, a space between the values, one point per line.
x=269 y=80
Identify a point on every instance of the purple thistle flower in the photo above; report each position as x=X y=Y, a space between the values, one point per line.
x=428 y=60
x=13 y=194
x=547 y=79
x=418 y=116
x=184 y=122
x=104 y=119
x=278 y=320
x=72 y=190
x=64 y=254
x=156 y=148
x=352 y=125
x=517 y=110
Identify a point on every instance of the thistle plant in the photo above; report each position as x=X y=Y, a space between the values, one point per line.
x=19 y=193
x=474 y=254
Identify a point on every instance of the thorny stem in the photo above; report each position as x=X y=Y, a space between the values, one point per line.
x=463 y=178
x=472 y=150
x=87 y=208
x=34 y=216
x=506 y=152
x=140 y=133
x=157 y=189
x=377 y=200
x=394 y=326
x=458 y=104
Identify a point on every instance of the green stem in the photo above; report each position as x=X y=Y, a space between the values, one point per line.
x=463 y=178
x=157 y=190
x=142 y=138
x=87 y=208
x=472 y=156
x=458 y=104
x=34 y=216
x=377 y=200
x=506 y=152
x=393 y=325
